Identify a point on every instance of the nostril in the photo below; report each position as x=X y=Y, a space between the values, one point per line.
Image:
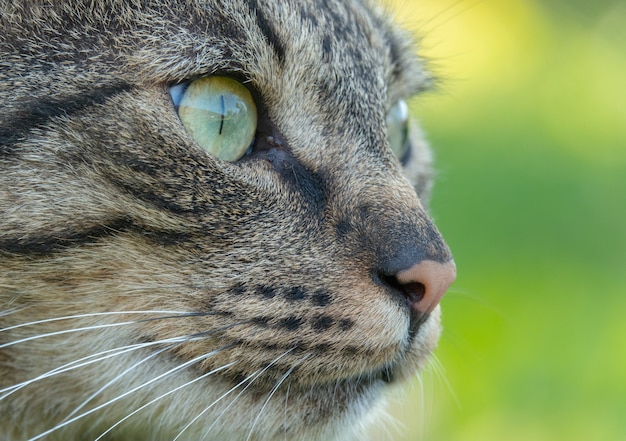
x=413 y=291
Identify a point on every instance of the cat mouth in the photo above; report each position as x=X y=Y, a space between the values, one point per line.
x=386 y=376
x=408 y=360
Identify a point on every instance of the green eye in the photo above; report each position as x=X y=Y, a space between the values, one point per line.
x=398 y=129
x=219 y=113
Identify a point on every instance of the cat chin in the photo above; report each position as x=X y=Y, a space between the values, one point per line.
x=347 y=409
x=422 y=347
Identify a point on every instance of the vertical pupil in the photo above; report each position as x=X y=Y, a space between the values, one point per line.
x=223 y=112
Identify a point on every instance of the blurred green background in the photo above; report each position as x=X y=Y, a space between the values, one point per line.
x=529 y=131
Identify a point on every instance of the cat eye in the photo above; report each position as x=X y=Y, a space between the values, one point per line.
x=398 y=129
x=219 y=113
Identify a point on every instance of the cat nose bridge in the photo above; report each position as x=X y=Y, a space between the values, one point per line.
x=401 y=236
x=385 y=221
x=399 y=246
x=406 y=252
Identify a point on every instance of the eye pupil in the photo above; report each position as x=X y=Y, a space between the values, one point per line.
x=223 y=112
x=219 y=113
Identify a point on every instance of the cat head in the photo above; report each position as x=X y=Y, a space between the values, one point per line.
x=292 y=268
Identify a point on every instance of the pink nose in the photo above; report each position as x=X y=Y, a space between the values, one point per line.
x=425 y=283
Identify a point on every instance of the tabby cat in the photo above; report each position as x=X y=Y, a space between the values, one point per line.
x=205 y=233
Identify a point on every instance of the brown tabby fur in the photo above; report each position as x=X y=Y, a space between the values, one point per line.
x=110 y=214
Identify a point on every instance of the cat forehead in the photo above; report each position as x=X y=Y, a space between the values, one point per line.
x=175 y=40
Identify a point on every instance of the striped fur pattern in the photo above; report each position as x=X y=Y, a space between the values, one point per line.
x=149 y=291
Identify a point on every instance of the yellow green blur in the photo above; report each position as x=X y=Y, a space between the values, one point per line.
x=529 y=130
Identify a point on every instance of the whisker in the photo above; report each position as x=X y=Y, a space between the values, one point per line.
x=206 y=409
x=94 y=314
x=66 y=331
x=90 y=328
x=422 y=411
x=125 y=394
x=440 y=372
x=285 y=414
x=440 y=19
x=185 y=339
x=111 y=353
x=163 y=396
x=271 y=394
x=10 y=311
x=443 y=12
x=83 y=362
x=256 y=375
x=430 y=397
x=117 y=377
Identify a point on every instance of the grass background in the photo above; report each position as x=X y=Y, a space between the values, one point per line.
x=529 y=130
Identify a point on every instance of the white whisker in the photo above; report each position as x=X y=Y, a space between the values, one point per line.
x=448 y=14
x=252 y=377
x=443 y=12
x=269 y=397
x=422 y=411
x=85 y=361
x=95 y=314
x=206 y=409
x=116 y=378
x=440 y=372
x=66 y=331
x=173 y=314
x=163 y=396
x=285 y=414
x=185 y=339
x=125 y=394
x=9 y=312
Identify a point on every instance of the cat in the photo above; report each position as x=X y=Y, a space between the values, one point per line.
x=213 y=220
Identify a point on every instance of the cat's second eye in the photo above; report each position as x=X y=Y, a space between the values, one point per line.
x=219 y=113
x=398 y=129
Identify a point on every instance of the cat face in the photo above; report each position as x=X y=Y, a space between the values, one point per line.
x=267 y=285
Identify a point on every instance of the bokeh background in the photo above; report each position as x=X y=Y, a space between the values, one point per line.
x=529 y=129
